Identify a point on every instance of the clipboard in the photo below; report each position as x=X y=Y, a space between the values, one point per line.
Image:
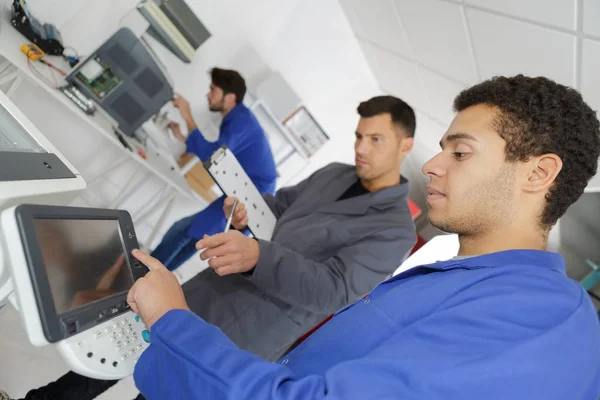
x=231 y=178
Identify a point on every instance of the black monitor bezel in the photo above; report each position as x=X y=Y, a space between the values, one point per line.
x=56 y=326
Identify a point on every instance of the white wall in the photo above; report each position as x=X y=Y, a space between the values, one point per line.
x=324 y=65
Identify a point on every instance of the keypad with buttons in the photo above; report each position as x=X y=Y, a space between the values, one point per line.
x=111 y=349
x=124 y=337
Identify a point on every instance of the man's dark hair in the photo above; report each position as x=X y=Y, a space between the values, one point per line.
x=539 y=116
x=402 y=114
x=229 y=81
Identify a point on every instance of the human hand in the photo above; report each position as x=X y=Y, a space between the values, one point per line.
x=186 y=112
x=240 y=218
x=157 y=293
x=183 y=105
x=229 y=253
x=176 y=129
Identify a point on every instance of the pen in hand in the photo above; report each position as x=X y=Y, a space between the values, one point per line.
x=228 y=225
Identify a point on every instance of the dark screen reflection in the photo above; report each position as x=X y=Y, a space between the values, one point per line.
x=84 y=260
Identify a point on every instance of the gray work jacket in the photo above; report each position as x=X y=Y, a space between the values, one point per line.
x=324 y=254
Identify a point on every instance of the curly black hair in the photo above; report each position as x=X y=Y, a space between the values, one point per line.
x=539 y=116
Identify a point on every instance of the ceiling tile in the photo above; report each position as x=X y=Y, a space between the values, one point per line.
x=590 y=79
x=438 y=38
x=400 y=78
x=441 y=93
x=379 y=22
x=370 y=55
x=561 y=13
x=504 y=46
x=591 y=17
x=351 y=15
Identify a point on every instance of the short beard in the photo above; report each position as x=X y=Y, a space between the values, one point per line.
x=492 y=200
x=217 y=107
x=362 y=176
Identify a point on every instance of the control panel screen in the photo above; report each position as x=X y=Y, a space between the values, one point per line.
x=84 y=259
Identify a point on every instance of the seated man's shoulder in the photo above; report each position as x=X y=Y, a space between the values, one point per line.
x=337 y=168
x=330 y=171
x=532 y=296
x=536 y=311
x=533 y=322
x=246 y=121
x=394 y=221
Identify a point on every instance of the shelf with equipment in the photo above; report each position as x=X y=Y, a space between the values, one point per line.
x=289 y=154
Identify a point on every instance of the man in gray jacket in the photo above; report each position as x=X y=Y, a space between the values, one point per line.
x=338 y=234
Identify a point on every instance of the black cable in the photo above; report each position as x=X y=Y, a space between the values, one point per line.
x=72 y=60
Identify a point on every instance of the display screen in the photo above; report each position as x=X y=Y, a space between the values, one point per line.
x=84 y=260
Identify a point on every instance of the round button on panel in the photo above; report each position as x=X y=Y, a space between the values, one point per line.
x=146 y=335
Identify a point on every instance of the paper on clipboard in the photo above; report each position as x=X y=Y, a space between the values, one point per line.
x=231 y=178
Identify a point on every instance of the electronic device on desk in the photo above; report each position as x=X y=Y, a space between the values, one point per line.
x=46 y=36
x=123 y=79
x=231 y=178
x=29 y=165
x=71 y=269
x=32 y=51
x=66 y=270
x=175 y=26
x=79 y=99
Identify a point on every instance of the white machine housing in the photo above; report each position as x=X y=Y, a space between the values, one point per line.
x=119 y=341
x=33 y=171
x=107 y=350
x=37 y=191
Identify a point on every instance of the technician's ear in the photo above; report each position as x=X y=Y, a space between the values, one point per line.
x=542 y=172
x=231 y=98
x=406 y=145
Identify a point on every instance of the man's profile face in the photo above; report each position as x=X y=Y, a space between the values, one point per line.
x=472 y=188
x=377 y=146
x=216 y=98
